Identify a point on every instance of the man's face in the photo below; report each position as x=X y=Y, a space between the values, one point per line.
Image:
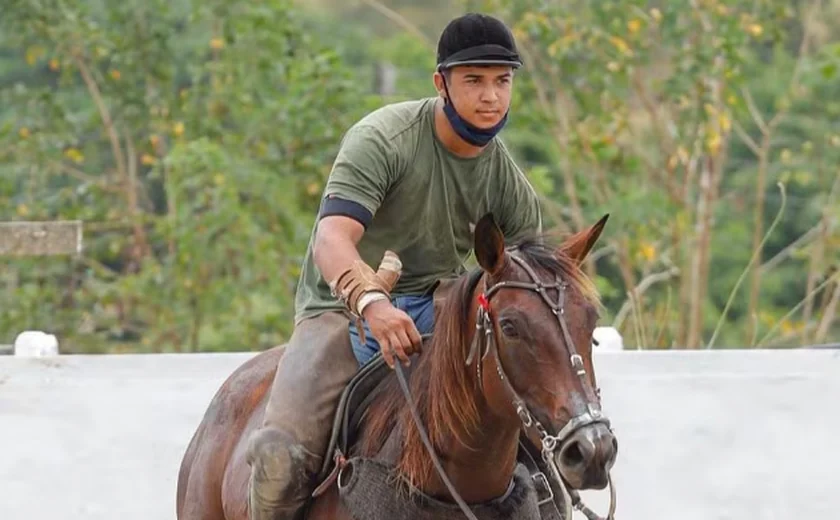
x=481 y=94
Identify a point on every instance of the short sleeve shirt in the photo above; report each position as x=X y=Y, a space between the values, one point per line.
x=424 y=200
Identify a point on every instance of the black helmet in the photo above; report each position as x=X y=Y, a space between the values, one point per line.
x=477 y=39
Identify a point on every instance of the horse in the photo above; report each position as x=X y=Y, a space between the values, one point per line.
x=510 y=359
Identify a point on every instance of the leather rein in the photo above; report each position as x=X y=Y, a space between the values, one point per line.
x=486 y=338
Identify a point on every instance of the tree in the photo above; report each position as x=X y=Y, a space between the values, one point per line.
x=193 y=139
x=637 y=106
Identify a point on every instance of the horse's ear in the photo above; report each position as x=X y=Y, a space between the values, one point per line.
x=578 y=246
x=489 y=244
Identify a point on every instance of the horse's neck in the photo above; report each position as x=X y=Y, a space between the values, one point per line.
x=482 y=471
x=479 y=472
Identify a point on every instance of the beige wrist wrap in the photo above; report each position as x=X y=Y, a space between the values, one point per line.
x=360 y=279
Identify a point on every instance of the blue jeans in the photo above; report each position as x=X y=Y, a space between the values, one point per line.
x=421 y=309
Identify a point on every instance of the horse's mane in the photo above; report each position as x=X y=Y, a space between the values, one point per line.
x=441 y=383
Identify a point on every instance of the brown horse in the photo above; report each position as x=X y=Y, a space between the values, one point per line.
x=511 y=354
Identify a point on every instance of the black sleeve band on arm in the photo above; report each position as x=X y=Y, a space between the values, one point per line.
x=332 y=206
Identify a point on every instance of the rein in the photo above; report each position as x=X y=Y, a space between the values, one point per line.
x=486 y=324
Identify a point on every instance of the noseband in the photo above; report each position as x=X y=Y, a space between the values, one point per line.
x=485 y=341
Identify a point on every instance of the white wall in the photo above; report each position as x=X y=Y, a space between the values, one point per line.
x=702 y=435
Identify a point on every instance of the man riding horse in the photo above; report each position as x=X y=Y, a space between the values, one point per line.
x=414 y=178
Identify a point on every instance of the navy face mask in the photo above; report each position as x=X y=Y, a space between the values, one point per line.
x=466 y=131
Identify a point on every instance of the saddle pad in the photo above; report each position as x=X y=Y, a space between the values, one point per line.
x=370 y=492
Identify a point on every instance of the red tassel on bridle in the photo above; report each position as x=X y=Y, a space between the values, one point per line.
x=483 y=302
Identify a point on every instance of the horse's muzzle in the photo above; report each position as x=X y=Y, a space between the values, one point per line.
x=587 y=456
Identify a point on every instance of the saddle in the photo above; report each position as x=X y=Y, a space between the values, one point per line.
x=357 y=398
x=354 y=402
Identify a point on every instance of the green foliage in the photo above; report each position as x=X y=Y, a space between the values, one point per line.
x=639 y=109
x=193 y=138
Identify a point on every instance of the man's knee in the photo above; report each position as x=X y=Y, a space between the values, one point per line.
x=282 y=464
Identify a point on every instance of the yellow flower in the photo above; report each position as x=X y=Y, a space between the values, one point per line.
x=147 y=159
x=178 y=129
x=634 y=25
x=713 y=142
x=74 y=155
x=788 y=327
x=217 y=44
x=755 y=29
x=115 y=74
x=22 y=210
x=33 y=54
x=656 y=14
x=725 y=123
x=786 y=156
x=621 y=45
x=54 y=64
x=682 y=153
x=23 y=133
x=648 y=251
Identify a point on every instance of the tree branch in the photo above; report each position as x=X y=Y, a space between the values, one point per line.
x=829 y=315
x=639 y=290
x=399 y=20
x=754 y=111
x=79 y=175
x=745 y=137
x=790 y=313
x=104 y=113
x=763 y=163
x=748 y=268
x=807 y=237
x=141 y=246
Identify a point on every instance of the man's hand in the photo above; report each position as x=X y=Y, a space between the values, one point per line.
x=393 y=329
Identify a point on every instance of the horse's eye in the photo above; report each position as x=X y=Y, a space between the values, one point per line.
x=509 y=329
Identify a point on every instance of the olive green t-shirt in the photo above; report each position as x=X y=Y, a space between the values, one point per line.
x=424 y=200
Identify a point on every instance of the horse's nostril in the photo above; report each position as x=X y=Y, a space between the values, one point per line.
x=572 y=455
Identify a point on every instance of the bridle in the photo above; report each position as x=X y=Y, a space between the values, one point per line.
x=487 y=338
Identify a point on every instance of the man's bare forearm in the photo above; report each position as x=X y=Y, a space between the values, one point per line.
x=335 y=246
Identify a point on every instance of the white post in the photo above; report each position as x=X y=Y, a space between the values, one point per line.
x=35 y=343
x=609 y=339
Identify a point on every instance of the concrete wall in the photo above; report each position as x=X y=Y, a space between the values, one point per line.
x=703 y=435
